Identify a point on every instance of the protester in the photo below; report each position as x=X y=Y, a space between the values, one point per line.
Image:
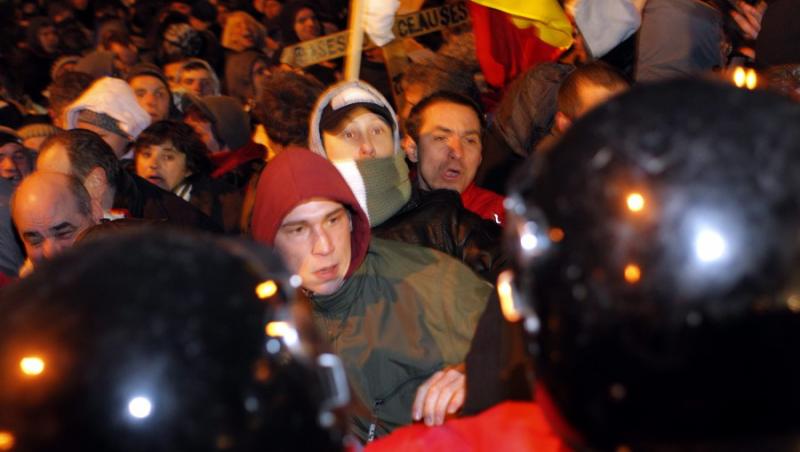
x=170 y=155
x=110 y=109
x=152 y=91
x=33 y=62
x=355 y=127
x=84 y=155
x=224 y=127
x=399 y=316
x=64 y=90
x=50 y=210
x=16 y=162
x=197 y=77
x=446 y=131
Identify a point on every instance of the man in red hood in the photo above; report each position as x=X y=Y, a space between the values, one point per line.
x=400 y=316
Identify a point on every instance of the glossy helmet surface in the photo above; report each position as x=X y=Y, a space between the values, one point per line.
x=656 y=254
x=162 y=341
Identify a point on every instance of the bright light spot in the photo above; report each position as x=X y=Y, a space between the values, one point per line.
x=273 y=346
x=556 y=234
x=6 y=440
x=635 y=202
x=751 y=80
x=528 y=241
x=633 y=273
x=32 y=366
x=505 y=293
x=277 y=329
x=739 y=77
x=709 y=245
x=296 y=281
x=282 y=330
x=140 y=407
x=266 y=289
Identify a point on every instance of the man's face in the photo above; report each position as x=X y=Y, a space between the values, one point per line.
x=14 y=163
x=314 y=240
x=197 y=82
x=162 y=165
x=152 y=96
x=118 y=143
x=48 y=222
x=204 y=130
x=48 y=39
x=449 y=148
x=362 y=134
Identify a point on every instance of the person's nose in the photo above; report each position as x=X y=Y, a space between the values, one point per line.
x=50 y=248
x=367 y=149
x=456 y=149
x=323 y=245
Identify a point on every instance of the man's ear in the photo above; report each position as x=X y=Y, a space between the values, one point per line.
x=410 y=148
x=96 y=183
x=563 y=122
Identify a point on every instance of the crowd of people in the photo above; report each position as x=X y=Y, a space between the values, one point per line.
x=599 y=254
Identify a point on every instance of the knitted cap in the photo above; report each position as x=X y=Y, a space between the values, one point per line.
x=37 y=130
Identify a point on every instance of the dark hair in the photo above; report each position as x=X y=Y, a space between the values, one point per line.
x=183 y=139
x=86 y=151
x=414 y=121
x=66 y=88
x=594 y=73
x=285 y=104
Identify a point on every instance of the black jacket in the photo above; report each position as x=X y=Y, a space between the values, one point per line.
x=437 y=219
x=141 y=199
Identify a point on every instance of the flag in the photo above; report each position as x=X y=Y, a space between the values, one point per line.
x=513 y=36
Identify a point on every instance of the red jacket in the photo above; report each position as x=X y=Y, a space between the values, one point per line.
x=507 y=427
x=486 y=203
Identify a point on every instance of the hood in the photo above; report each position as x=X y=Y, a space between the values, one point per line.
x=114 y=98
x=204 y=63
x=32 y=33
x=239 y=74
x=343 y=94
x=229 y=120
x=298 y=175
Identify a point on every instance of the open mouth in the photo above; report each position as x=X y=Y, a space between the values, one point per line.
x=155 y=180
x=451 y=174
x=327 y=273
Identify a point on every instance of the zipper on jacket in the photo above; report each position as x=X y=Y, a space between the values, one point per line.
x=374 y=424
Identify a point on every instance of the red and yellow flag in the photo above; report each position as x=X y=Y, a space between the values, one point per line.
x=512 y=36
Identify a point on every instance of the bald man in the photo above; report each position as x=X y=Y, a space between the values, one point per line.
x=50 y=210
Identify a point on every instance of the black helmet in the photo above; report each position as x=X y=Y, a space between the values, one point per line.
x=155 y=340
x=657 y=259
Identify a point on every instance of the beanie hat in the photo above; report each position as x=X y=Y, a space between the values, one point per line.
x=147 y=69
x=37 y=130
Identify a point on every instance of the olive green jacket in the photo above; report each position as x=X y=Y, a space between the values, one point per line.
x=406 y=313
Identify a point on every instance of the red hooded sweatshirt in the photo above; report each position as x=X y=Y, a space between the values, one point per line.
x=294 y=177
